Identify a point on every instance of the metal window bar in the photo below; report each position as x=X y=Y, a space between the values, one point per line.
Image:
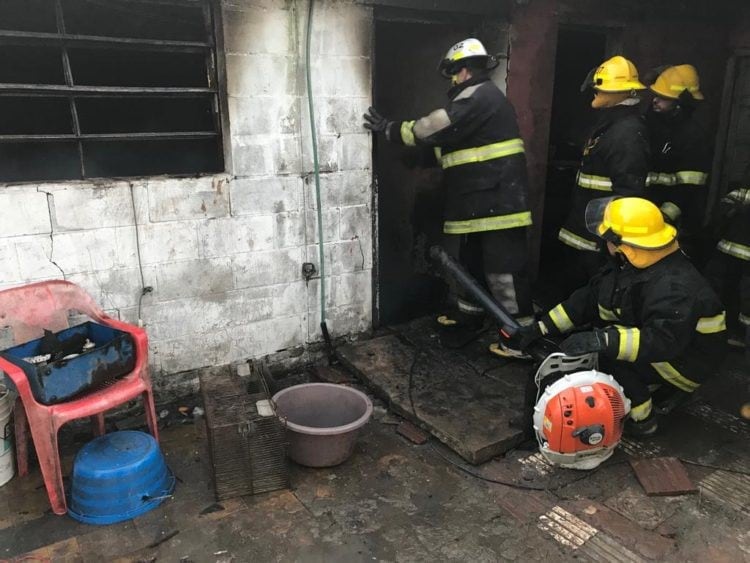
x=70 y=91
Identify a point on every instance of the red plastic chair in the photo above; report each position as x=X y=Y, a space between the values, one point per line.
x=29 y=309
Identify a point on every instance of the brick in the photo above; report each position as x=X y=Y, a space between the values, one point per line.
x=193 y=278
x=356 y=222
x=265 y=115
x=263 y=196
x=181 y=199
x=112 y=289
x=267 y=268
x=412 y=433
x=257 y=30
x=169 y=242
x=79 y=207
x=261 y=75
x=9 y=269
x=235 y=235
x=663 y=476
x=24 y=212
x=251 y=156
x=330 y=225
x=289 y=229
x=356 y=151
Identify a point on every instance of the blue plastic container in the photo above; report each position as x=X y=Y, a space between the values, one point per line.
x=113 y=356
x=117 y=477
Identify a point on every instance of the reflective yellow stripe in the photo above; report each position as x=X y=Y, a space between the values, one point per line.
x=641 y=412
x=712 y=325
x=691 y=177
x=592 y=182
x=483 y=153
x=579 y=243
x=499 y=222
x=561 y=319
x=745 y=319
x=630 y=342
x=668 y=372
x=438 y=154
x=407 y=133
x=606 y=314
x=734 y=249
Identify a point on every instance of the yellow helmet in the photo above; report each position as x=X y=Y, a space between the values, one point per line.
x=675 y=80
x=635 y=222
x=461 y=53
x=617 y=74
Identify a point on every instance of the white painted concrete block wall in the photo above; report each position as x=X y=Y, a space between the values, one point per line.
x=224 y=253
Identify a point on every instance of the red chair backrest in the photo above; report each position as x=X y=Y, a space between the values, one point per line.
x=28 y=309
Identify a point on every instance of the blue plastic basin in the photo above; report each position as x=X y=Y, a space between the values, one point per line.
x=117 y=477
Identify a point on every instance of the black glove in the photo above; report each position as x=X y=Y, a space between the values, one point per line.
x=374 y=121
x=584 y=343
x=525 y=336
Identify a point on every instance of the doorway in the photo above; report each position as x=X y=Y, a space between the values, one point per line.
x=408 y=198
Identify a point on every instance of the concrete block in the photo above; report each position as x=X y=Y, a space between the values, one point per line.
x=356 y=151
x=342 y=30
x=9 y=270
x=341 y=115
x=328 y=152
x=312 y=254
x=34 y=254
x=79 y=207
x=265 y=115
x=169 y=242
x=356 y=187
x=356 y=222
x=285 y=152
x=24 y=212
x=338 y=76
x=261 y=75
x=330 y=226
x=351 y=256
x=267 y=268
x=289 y=229
x=112 y=289
x=182 y=354
x=252 y=156
x=127 y=247
x=262 y=196
x=268 y=337
x=353 y=288
x=257 y=30
x=312 y=291
x=234 y=235
x=193 y=278
x=331 y=185
x=289 y=299
x=348 y=319
x=255 y=4
x=93 y=250
x=195 y=198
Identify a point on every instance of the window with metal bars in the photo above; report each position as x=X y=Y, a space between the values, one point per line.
x=107 y=88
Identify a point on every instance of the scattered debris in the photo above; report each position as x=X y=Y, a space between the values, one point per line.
x=412 y=433
x=663 y=476
x=215 y=507
x=163 y=413
x=331 y=374
x=165 y=538
x=184 y=411
x=198 y=412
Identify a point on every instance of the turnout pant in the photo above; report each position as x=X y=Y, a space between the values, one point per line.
x=730 y=278
x=498 y=260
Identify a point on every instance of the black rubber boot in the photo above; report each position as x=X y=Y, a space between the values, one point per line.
x=642 y=428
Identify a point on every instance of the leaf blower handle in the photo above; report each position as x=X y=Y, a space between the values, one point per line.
x=509 y=325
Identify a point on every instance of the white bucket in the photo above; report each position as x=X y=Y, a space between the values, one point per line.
x=7 y=460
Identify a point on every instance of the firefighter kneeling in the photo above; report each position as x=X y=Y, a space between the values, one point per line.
x=658 y=326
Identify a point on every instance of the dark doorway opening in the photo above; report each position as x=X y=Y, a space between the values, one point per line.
x=578 y=51
x=406 y=85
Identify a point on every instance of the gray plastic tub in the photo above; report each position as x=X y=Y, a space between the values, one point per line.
x=323 y=421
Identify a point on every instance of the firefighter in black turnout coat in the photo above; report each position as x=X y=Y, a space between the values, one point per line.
x=476 y=140
x=656 y=319
x=615 y=160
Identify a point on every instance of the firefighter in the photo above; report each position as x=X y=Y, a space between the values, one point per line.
x=680 y=151
x=656 y=320
x=615 y=159
x=476 y=140
x=729 y=268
